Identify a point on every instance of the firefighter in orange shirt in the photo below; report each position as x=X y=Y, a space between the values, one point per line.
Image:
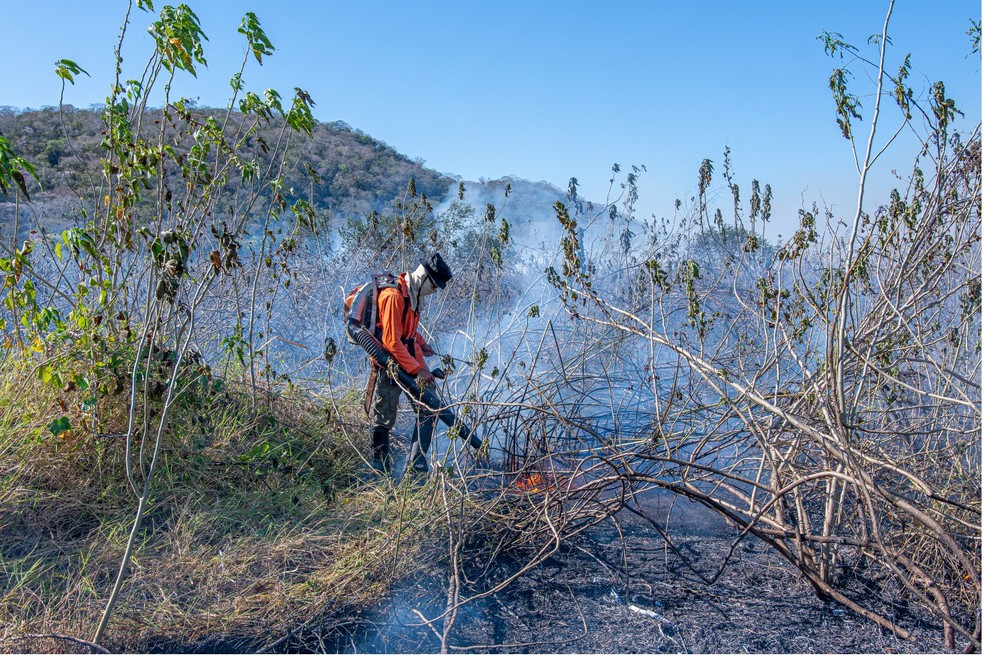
x=399 y=318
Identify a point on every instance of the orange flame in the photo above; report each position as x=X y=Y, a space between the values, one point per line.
x=532 y=483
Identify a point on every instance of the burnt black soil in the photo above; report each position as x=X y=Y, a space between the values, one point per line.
x=604 y=594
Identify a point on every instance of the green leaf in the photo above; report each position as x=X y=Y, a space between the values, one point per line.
x=300 y=117
x=49 y=376
x=59 y=426
x=273 y=100
x=66 y=69
x=13 y=168
x=179 y=38
x=259 y=44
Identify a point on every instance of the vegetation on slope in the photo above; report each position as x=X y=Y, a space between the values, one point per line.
x=342 y=172
x=257 y=524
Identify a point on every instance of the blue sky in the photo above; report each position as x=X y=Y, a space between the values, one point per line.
x=546 y=90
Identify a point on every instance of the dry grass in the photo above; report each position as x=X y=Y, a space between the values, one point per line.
x=259 y=526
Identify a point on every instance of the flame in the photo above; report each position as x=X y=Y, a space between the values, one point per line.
x=532 y=483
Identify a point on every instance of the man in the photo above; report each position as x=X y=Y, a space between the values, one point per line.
x=399 y=318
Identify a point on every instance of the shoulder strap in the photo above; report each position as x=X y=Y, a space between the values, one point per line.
x=407 y=340
x=382 y=280
x=406 y=301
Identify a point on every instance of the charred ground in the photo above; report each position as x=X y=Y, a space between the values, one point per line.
x=624 y=590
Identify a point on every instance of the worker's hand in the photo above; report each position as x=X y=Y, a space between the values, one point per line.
x=426 y=350
x=425 y=378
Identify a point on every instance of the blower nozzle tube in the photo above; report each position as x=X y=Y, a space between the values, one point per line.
x=368 y=341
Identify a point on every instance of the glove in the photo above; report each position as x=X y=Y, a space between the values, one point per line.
x=425 y=378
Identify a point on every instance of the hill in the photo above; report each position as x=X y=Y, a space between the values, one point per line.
x=339 y=170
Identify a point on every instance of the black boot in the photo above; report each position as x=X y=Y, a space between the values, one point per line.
x=423 y=430
x=380 y=449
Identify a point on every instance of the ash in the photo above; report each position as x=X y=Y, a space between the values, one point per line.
x=626 y=591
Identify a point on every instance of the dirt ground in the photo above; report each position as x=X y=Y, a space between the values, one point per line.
x=593 y=596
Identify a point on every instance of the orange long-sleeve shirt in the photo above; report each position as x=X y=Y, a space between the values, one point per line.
x=399 y=325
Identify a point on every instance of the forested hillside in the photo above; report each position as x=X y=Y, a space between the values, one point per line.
x=342 y=172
